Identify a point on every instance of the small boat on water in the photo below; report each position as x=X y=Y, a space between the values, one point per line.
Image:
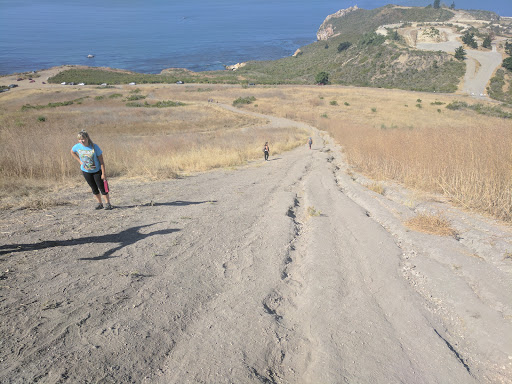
x=90 y=56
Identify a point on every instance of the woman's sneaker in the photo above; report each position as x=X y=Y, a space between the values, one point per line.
x=99 y=206
x=108 y=206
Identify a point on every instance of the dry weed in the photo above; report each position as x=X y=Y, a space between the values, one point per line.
x=312 y=211
x=377 y=188
x=434 y=224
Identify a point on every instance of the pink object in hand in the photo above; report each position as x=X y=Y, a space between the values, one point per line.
x=105 y=183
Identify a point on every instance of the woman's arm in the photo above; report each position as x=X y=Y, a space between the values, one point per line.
x=75 y=156
x=102 y=164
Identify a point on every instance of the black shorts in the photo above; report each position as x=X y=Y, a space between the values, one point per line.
x=95 y=182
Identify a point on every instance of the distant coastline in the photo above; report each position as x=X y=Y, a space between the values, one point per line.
x=29 y=45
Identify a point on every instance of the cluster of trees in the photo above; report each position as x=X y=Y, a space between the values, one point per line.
x=437 y=4
x=469 y=39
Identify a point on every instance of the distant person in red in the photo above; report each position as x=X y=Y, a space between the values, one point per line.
x=266 y=150
x=90 y=157
x=310 y=142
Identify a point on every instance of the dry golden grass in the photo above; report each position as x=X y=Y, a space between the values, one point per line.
x=434 y=224
x=463 y=155
x=377 y=188
x=137 y=142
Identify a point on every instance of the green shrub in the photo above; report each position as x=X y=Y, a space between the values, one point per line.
x=481 y=109
x=372 y=38
x=244 y=100
x=456 y=105
x=135 y=97
x=507 y=63
x=343 y=46
x=159 y=104
x=134 y=104
x=51 y=105
x=333 y=102
x=322 y=78
x=167 y=104
x=41 y=118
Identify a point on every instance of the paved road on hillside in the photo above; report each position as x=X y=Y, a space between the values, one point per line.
x=278 y=272
x=480 y=65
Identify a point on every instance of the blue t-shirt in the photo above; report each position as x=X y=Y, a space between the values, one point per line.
x=89 y=157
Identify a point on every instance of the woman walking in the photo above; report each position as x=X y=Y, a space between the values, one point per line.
x=90 y=157
x=266 y=150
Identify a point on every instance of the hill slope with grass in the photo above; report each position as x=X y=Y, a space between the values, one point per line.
x=369 y=48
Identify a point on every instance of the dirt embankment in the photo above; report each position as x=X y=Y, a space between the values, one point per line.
x=283 y=271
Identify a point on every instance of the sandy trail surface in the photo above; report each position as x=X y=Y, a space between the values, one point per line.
x=285 y=271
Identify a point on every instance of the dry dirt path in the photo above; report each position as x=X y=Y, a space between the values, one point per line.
x=286 y=271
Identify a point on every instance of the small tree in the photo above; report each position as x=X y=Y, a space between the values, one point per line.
x=507 y=63
x=453 y=5
x=487 y=42
x=322 y=78
x=343 y=46
x=508 y=48
x=460 y=53
x=437 y=4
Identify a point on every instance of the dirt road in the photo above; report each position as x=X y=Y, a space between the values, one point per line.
x=285 y=271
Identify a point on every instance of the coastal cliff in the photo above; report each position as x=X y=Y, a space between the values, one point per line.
x=327 y=30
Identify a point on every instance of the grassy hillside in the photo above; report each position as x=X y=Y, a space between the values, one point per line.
x=357 y=23
x=367 y=59
x=500 y=86
x=381 y=64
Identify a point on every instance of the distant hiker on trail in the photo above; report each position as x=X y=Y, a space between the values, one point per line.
x=310 y=142
x=90 y=157
x=266 y=150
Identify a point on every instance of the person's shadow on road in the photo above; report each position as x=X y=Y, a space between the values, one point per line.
x=177 y=203
x=124 y=238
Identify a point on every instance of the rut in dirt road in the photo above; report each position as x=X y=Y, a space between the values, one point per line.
x=270 y=273
x=326 y=303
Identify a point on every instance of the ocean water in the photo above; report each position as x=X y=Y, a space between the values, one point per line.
x=151 y=35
